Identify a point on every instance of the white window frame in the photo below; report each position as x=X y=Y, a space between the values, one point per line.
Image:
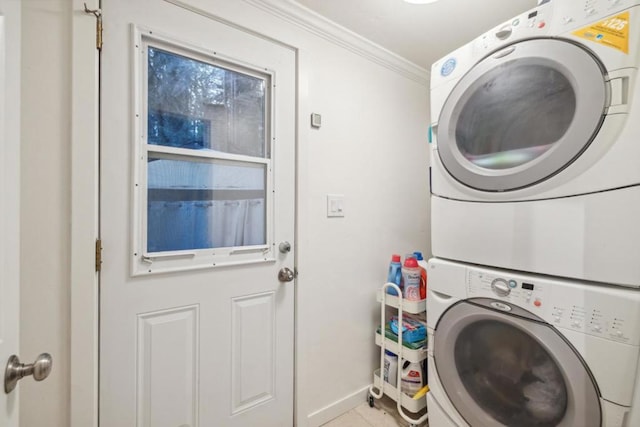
x=144 y=262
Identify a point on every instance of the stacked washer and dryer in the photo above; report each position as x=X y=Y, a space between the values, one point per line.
x=533 y=310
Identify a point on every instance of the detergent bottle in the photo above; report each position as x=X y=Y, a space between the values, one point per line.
x=411 y=279
x=423 y=276
x=395 y=274
x=412 y=378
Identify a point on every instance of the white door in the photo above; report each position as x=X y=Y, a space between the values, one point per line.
x=197 y=200
x=9 y=202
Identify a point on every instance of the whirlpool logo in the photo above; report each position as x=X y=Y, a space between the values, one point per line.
x=448 y=67
x=501 y=306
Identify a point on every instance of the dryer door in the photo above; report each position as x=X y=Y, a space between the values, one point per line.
x=506 y=368
x=522 y=114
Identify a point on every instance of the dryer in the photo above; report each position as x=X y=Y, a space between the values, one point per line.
x=513 y=349
x=535 y=162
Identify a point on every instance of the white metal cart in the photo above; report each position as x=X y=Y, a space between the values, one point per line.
x=403 y=401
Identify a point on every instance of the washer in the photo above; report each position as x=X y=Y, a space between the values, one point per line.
x=535 y=158
x=512 y=349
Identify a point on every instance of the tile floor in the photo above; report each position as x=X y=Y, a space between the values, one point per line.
x=383 y=414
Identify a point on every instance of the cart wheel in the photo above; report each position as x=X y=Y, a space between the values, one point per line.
x=370 y=399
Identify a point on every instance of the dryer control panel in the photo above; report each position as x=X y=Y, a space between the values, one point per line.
x=532 y=24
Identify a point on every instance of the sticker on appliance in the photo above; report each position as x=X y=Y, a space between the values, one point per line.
x=612 y=32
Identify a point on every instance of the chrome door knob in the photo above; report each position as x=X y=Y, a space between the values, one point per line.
x=15 y=371
x=285 y=275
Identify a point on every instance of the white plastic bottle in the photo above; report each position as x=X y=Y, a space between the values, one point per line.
x=412 y=378
x=390 y=367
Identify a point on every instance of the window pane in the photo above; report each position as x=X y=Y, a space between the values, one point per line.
x=510 y=375
x=199 y=205
x=196 y=105
x=519 y=112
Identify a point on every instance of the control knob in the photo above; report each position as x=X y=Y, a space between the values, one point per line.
x=500 y=287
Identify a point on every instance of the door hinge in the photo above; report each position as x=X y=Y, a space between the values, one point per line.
x=98 y=14
x=98 y=255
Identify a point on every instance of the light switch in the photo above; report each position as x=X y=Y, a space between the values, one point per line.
x=335 y=205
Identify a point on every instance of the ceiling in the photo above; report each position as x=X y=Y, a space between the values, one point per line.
x=420 y=33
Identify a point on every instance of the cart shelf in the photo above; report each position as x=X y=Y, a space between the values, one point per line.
x=413 y=307
x=405 y=400
x=417 y=355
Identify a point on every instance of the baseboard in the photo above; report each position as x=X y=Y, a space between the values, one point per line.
x=337 y=408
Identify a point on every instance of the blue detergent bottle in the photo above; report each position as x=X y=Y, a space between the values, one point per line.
x=395 y=274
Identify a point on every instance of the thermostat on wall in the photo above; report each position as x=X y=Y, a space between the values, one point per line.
x=316 y=120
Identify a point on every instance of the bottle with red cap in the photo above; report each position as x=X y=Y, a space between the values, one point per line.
x=395 y=274
x=411 y=278
x=423 y=276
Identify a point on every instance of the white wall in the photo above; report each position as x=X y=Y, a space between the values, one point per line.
x=372 y=148
x=45 y=208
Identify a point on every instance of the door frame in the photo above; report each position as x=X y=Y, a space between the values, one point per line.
x=10 y=138
x=85 y=211
x=85 y=67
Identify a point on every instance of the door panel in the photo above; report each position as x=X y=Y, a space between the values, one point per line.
x=168 y=367
x=196 y=329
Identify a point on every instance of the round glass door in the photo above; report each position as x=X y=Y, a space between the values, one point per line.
x=521 y=115
x=510 y=375
x=502 y=369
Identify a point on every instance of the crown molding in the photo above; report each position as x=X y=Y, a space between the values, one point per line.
x=305 y=18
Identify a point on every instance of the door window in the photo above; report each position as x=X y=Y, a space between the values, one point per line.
x=205 y=157
x=195 y=204
x=510 y=375
x=199 y=105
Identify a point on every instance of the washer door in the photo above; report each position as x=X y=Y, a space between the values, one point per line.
x=522 y=114
x=511 y=369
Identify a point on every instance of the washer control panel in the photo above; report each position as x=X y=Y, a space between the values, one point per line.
x=603 y=320
x=607 y=312
x=525 y=294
